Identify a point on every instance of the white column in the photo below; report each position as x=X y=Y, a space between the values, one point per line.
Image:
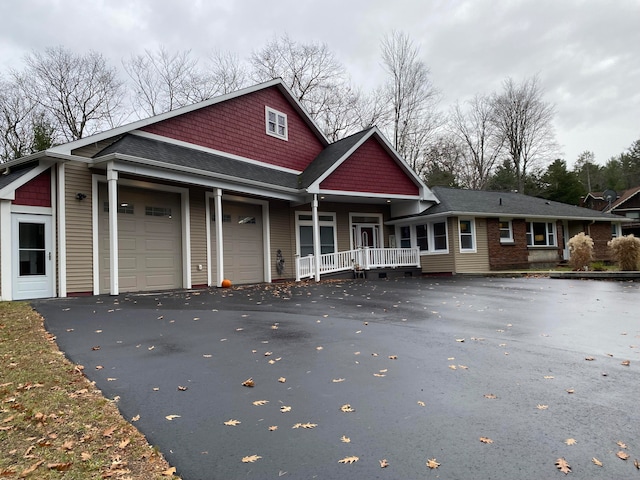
x=217 y=196
x=316 y=236
x=61 y=219
x=112 y=183
x=6 y=250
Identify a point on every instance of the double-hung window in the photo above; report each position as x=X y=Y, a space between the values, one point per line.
x=327 y=225
x=428 y=237
x=467 y=235
x=506 y=231
x=276 y=123
x=541 y=234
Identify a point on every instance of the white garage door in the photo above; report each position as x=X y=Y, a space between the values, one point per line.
x=243 y=245
x=149 y=240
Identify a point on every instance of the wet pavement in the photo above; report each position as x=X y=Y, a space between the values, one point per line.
x=429 y=366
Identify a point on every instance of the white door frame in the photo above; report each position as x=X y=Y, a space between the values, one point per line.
x=32 y=286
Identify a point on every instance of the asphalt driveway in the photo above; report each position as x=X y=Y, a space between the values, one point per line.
x=429 y=366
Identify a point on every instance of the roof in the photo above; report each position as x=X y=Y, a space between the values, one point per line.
x=169 y=154
x=507 y=204
x=15 y=173
x=626 y=195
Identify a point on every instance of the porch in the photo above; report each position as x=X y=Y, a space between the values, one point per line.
x=358 y=260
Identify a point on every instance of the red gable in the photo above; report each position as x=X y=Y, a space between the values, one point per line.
x=371 y=169
x=36 y=192
x=237 y=126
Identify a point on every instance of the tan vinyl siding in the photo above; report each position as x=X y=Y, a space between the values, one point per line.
x=472 y=262
x=439 y=263
x=198 y=237
x=78 y=228
x=280 y=228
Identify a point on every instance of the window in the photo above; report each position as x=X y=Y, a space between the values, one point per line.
x=506 y=231
x=428 y=237
x=405 y=236
x=467 y=236
x=615 y=230
x=541 y=234
x=122 y=208
x=422 y=237
x=305 y=233
x=157 y=211
x=276 y=123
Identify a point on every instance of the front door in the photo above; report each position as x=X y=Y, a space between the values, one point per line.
x=32 y=259
x=366 y=235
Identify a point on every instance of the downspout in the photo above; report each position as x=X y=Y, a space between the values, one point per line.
x=316 y=236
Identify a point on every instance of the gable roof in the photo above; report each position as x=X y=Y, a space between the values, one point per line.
x=67 y=148
x=483 y=203
x=626 y=196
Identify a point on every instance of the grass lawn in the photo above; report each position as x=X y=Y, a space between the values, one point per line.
x=54 y=423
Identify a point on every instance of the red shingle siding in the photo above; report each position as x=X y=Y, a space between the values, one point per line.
x=370 y=169
x=36 y=192
x=237 y=126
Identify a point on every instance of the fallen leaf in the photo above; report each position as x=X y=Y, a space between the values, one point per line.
x=636 y=464
x=490 y=396
x=248 y=383
x=563 y=466
x=282 y=379
x=319 y=348
x=285 y=409
x=172 y=417
x=136 y=418
x=464 y=367
x=124 y=443
x=486 y=440
x=207 y=355
x=109 y=432
x=251 y=458
x=337 y=380
x=431 y=463
x=549 y=377
x=258 y=403
x=99 y=367
x=345 y=439
x=151 y=347
x=85 y=456
x=596 y=461
x=421 y=403
x=232 y=422
x=570 y=441
x=453 y=367
x=570 y=390
x=170 y=472
x=626 y=363
x=97 y=347
x=393 y=357
x=305 y=425
x=60 y=467
x=542 y=407
x=621 y=444
x=349 y=460
x=346 y=408
x=31 y=469
x=589 y=359
x=383 y=463
x=460 y=340
x=273 y=428
x=379 y=375
x=182 y=389
x=622 y=455
x=268 y=354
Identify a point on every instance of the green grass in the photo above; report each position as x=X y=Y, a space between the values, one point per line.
x=54 y=423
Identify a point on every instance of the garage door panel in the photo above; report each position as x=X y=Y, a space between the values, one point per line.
x=152 y=263
x=126 y=225
x=160 y=281
x=127 y=244
x=160 y=227
x=164 y=245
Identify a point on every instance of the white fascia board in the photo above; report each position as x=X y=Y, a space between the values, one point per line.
x=193 y=146
x=9 y=191
x=526 y=216
x=160 y=170
x=348 y=193
x=617 y=205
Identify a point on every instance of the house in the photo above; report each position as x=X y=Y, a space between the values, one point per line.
x=626 y=204
x=478 y=231
x=244 y=187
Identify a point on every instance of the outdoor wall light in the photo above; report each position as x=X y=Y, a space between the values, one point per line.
x=80 y=196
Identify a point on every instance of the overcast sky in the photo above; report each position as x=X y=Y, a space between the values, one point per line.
x=587 y=53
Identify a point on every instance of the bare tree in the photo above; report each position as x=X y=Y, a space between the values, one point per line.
x=524 y=119
x=226 y=72
x=411 y=97
x=481 y=142
x=316 y=78
x=81 y=93
x=164 y=81
x=15 y=122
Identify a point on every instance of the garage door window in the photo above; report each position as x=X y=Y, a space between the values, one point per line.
x=157 y=212
x=126 y=208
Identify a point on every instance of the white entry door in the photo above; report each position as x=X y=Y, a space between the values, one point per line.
x=32 y=258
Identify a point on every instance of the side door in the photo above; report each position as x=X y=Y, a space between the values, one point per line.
x=32 y=257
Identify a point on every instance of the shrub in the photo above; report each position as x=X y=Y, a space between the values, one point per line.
x=581 y=250
x=626 y=252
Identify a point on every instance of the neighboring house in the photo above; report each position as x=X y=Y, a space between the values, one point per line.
x=626 y=204
x=246 y=187
x=477 y=231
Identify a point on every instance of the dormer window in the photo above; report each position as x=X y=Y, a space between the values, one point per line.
x=276 y=123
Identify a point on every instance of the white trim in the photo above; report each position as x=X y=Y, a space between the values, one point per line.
x=9 y=191
x=186 y=236
x=207 y=227
x=430 y=235
x=95 y=209
x=321 y=223
x=59 y=218
x=380 y=225
x=6 y=245
x=219 y=237
x=68 y=147
x=277 y=113
x=348 y=193
x=29 y=210
x=529 y=223
x=200 y=148
x=472 y=233
x=50 y=271
x=509 y=240
x=114 y=270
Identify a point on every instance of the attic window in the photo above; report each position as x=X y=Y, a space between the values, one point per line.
x=276 y=124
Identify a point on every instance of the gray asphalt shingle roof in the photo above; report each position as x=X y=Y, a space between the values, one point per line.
x=507 y=204
x=15 y=173
x=176 y=155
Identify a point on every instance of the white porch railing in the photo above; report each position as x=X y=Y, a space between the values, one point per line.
x=362 y=258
